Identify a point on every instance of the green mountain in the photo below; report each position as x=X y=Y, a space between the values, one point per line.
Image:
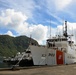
x=11 y=45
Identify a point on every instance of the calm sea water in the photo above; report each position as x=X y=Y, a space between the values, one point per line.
x=2 y=64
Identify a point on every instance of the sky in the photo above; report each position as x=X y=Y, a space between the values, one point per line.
x=36 y=17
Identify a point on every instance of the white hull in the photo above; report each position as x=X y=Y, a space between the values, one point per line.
x=58 y=50
x=69 y=58
x=47 y=56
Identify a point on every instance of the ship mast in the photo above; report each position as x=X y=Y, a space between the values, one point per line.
x=65 y=30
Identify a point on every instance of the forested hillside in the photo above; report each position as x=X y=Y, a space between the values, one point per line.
x=11 y=45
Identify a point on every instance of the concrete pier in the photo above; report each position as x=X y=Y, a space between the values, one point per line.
x=45 y=70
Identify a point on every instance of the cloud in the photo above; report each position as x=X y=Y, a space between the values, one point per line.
x=39 y=30
x=71 y=30
x=26 y=6
x=55 y=16
x=56 y=8
x=17 y=21
x=9 y=33
x=60 y=5
x=12 y=18
x=52 y=22
x=57 y=5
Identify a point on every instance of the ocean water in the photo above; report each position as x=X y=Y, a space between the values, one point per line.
x=2 y=64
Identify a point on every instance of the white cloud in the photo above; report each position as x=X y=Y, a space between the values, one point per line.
x=16 y=21
x=26 y=6
x=9 y=33
x=54 y=7
x=52 y=22
x=57 y=4
x=12 y=19
x=61 y=4
x=39 y=32
x=71 y=30
x=10 y=16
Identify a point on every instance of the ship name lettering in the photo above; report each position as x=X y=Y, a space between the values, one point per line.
x=51 y=54
x=43 y=55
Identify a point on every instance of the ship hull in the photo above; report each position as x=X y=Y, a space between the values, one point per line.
x=47 y=56
x=22 y=63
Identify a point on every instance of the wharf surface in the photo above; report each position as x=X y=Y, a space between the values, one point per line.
x=42 y=70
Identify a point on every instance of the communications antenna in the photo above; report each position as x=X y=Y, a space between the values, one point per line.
x=50 y=29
